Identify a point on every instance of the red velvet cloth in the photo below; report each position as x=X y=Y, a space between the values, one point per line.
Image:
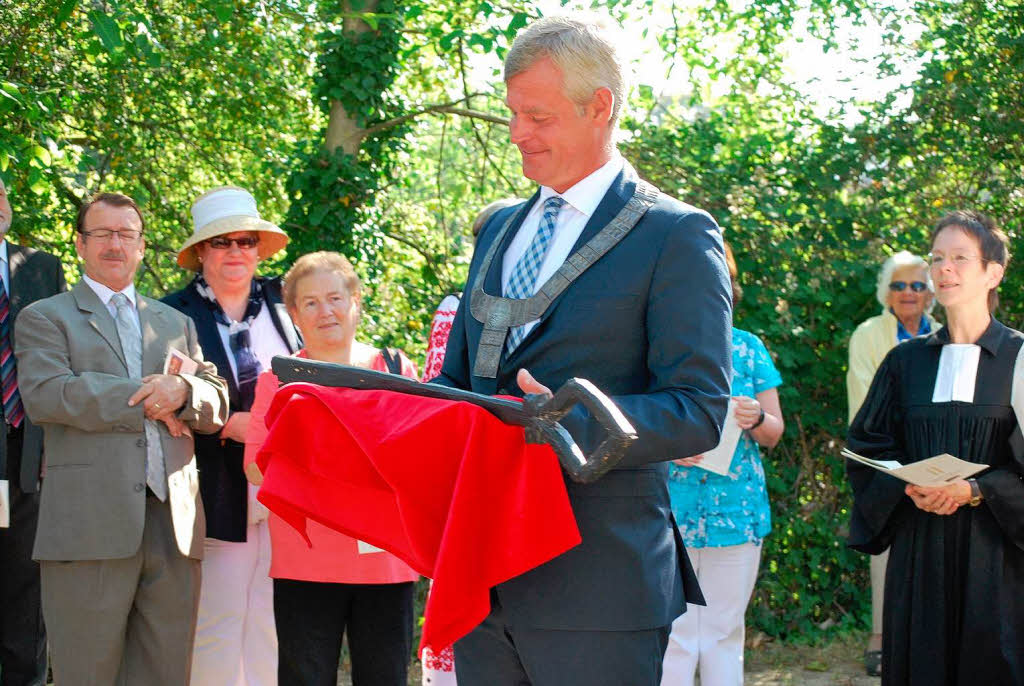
x=443 y=485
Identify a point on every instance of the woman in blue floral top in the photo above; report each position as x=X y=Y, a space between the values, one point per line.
x=723 y=520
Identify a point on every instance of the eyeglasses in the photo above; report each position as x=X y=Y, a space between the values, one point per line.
x=900 y=286
x=126 y=235
x=243 y=243
x=956 y=260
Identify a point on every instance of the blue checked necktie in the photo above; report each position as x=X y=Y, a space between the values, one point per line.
x=131 y=345
x=524 y=275
x=13 y=410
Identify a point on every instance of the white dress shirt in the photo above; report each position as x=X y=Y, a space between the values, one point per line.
x=581 y=201
x=105 y=294
x=5 y=267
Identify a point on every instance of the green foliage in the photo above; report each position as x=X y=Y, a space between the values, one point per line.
x=164 y=99
x=158 y=99
x=811 y=209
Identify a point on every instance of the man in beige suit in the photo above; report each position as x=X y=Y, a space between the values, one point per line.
x=121 y=525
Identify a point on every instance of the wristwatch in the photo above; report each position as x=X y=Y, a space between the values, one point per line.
x=975 y=493
x=759 y=422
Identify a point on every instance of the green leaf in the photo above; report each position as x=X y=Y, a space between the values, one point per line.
x=42 y=154
x=9 y=96
x=107 y=30
x=519 y=20
x=4 y=160
x=66 y=8
x=223 y=12
x=316 y=217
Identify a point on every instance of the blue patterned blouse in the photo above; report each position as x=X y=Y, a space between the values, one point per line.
x=712 y=510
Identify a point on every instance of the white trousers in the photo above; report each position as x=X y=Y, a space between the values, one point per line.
x=236 y=642
x=878 y=564
x=711 y=638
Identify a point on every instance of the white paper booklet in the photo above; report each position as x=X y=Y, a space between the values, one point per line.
x=719 y=459
x=178 y=362
x=935 y=471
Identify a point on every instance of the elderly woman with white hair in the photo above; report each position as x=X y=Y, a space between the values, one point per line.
x=906 y=295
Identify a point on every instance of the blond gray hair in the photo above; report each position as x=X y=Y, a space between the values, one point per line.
x=901 y=260
x=584 y=49
x=315 y=262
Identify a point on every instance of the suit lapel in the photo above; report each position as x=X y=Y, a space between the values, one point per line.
x=492 y=280
x=155 y=334
x=17 y=296
x=615 y=198
x=99 y=318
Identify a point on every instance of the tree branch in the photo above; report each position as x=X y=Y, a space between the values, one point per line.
x=442 y=108
x=474 y=114
x=440 y=171
x=472 y=124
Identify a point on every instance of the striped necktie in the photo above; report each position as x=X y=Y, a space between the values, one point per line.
x=14 y=413
x=524 y=276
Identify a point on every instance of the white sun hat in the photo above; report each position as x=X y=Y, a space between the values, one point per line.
x=225 y=210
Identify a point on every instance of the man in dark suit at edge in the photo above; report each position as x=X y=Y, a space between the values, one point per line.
x=28 y=275
x=647 y=321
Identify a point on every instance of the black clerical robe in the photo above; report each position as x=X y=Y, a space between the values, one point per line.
x=954 y=587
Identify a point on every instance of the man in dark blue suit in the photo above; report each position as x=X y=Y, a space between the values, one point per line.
x=602 y=277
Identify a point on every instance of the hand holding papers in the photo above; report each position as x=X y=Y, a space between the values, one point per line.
x=935 y=471
x=719 y=459
x=178 y=362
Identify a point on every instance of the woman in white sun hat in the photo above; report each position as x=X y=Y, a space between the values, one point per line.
x=242 y=323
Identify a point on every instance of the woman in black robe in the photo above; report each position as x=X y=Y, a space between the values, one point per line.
x=954 y=588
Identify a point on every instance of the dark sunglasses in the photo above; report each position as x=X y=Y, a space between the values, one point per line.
x=243 y=243
x=916 y=286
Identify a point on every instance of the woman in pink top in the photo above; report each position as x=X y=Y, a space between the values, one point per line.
x=339 y=584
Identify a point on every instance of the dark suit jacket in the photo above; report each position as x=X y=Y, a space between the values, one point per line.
x=221 y=479
x=649 y=324
x=34 y=275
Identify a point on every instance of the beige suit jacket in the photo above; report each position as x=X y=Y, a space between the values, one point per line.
x=74 y=383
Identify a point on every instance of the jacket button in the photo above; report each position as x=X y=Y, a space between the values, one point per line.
x=141 y=442
x=139 y=487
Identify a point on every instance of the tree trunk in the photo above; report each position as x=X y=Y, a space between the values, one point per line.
x=342 y=129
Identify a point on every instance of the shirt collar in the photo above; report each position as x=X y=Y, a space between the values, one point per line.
x=588 y=192
x=923 y=328
x=989 y=341
x=105 y=293
x=3 y=249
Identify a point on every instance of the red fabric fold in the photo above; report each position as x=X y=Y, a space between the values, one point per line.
x=443 y=485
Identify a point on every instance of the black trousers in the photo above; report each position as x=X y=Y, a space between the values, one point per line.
x=496 y=653
x=22 y=634
x=311 y=618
